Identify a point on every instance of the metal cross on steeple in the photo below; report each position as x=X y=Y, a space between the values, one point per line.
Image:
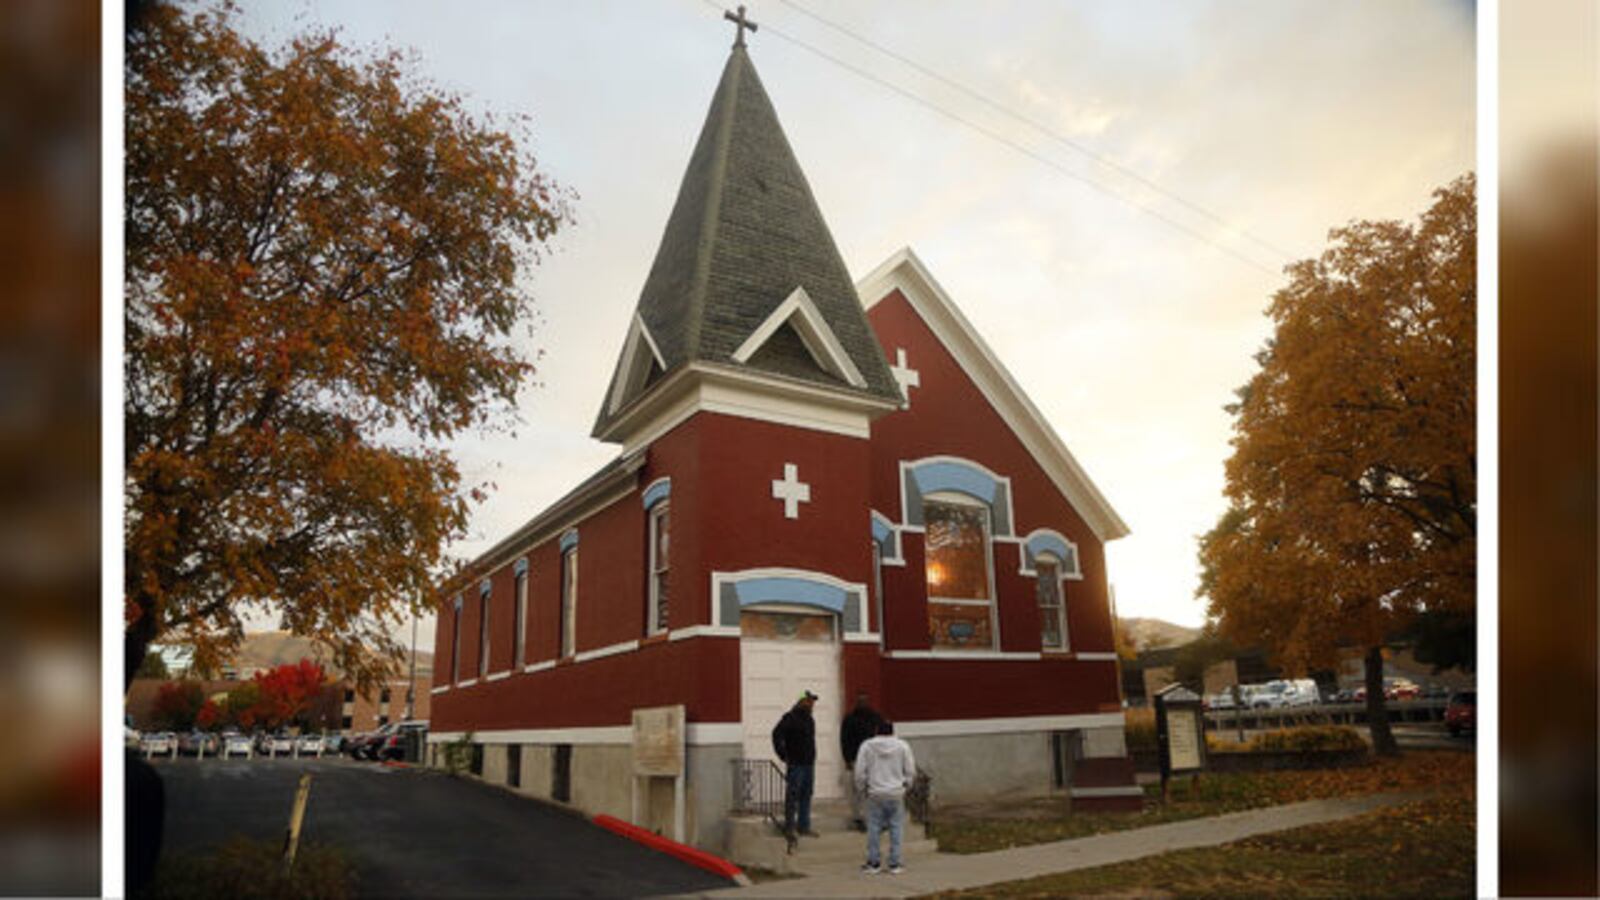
x=741 y=22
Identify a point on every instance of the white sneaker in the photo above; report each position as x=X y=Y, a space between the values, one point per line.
x=896 y=870
x=869 y=869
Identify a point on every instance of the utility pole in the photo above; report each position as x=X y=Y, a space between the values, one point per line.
x=411 y=691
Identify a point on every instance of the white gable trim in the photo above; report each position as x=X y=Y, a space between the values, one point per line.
x=814 y=332
x=905 y=272
x=635 y=365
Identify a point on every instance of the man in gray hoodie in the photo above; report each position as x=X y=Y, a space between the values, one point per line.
x=884 y=772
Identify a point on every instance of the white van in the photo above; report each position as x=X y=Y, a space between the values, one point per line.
x=1280 y=694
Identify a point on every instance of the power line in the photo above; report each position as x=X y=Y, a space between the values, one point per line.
x=1043 y=129
x=1008 y=142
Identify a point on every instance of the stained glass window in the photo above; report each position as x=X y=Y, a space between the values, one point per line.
x=960 y=601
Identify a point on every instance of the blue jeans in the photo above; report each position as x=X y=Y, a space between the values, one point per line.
x=885 y=812
x=797 y=798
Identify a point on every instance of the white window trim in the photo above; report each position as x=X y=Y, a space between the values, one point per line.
x=958 y=499
x=485 y=634
x=661 y=509
x=799 y=310
x=1061 y=592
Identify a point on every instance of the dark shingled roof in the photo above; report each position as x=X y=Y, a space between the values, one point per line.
x=743 y=234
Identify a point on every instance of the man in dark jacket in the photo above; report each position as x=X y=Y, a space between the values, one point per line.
x=858 y=727
x=794 y=739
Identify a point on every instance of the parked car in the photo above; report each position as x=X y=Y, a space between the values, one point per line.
x=1401 y=689
x=1279 y=693
x=236 y=744
x=198 y=743
x=131 y=738
x=394 y=746
x=1223 y=700
x=1461 y=714
x=158 y=742
x=308 y=745
x=280 y=743
x=333 y=743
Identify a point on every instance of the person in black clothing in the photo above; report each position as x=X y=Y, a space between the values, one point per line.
x=794 y=739
x=858 y=728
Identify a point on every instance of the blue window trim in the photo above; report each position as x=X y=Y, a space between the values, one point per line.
x=569 y=539
x=659 y=490
x=938 y=474
x=735 y=591
x=789 y=589
x=1043 y=540
x=887 y=537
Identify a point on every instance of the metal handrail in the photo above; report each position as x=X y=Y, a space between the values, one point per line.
x=758 y=788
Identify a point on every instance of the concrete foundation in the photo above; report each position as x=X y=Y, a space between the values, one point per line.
x=602 y=782
x=964 y=768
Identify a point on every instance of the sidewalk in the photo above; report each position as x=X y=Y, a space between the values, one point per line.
x=956 y=872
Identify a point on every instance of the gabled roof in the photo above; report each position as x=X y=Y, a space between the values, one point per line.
x=905 y=272
x=745 y=233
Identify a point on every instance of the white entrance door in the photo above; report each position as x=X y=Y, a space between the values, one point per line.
x=782 y=654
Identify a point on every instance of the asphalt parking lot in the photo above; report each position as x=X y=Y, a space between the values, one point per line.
x=415 y=833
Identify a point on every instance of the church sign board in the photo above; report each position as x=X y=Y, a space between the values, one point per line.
x=658 y=741
x=1180 y=733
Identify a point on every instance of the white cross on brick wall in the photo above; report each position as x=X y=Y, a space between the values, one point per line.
x=791 y=490
x=904 y=374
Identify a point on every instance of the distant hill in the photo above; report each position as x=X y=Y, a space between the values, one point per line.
x=1150 y=634
x=269 y=649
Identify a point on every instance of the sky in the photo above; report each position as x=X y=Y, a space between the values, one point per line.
x=1280 y=119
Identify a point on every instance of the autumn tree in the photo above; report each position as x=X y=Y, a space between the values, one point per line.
x=1352 y=486
x=241 y=705
x=178 y=704
x=153 y=666
x=324 y=256
x=285 y=693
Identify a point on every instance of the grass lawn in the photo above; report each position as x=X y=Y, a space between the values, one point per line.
x=1421 y=849
x=982 y=830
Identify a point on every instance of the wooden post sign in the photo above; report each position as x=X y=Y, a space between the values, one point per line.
x=1180 y=733
x=658 y=752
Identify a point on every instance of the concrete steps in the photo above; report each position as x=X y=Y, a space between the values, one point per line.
x=754 y=843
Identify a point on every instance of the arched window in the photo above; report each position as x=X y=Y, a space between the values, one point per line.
x=959 y=573
x=455 y=644
x=484 y=596
x=519 y=614
x=569 y=593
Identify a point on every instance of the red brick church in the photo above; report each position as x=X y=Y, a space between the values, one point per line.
x=823 y=484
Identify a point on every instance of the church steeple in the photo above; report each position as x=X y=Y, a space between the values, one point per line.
x=747 y=277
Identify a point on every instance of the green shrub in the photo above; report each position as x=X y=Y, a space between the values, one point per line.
x=458 y=754
x=245 y=869
x=1308 y=738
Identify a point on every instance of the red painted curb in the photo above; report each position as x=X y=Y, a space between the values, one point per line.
x=396 y=764
x=694 y=856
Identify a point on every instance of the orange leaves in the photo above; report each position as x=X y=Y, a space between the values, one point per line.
x=1352 y=483
x=325 y=259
